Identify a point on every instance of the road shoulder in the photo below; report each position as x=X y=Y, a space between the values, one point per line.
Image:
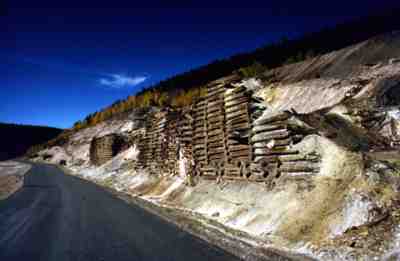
x=11 y=177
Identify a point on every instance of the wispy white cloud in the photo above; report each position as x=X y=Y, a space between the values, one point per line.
x=119 y=81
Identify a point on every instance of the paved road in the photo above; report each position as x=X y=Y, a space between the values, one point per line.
x=59 y=217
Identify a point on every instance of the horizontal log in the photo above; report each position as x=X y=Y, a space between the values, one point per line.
x=232 y=103
x=217 y=103
x=219 y=118
x=215 y=132
x=198 y=113
x=215 y=126
x=266 y=150
x=274 y=153
x=218 y=138
x=279 y=116
x=200 y=103
x=240 y=153
x=241 y=107
x=199 y=140
x=237 y=130
x=234 y=107
x=215 y=150
x=235 y=89
x=199 y=118
x=187 y=133
x=238 y=126
x=238 y=147
x=215 y=85
x=219 y=156
x=216 y=98
x=199 y=146
x=218 y=93
x=215 y=143
x=267 y=128
x=215 y=110
x=220 y=83
x=199 y=107
x=201 y=129
x=267 y=136
x=241 y=118
x=237 y=114
x=214 y=115
x=229 y=96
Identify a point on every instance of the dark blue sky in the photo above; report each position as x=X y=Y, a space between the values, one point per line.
x=60 y=63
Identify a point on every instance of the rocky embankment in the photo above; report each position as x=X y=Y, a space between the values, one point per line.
x=304 y=158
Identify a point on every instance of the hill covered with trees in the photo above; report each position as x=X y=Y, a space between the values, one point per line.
x=16 y=139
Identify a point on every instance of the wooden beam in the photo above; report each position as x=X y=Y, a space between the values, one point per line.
x=267 y=136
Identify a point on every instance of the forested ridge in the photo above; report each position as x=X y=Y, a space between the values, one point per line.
x=16 y=139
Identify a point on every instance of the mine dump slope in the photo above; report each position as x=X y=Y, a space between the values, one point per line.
x=286 y=160
x=342 y=63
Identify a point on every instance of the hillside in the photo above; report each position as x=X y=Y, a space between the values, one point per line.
x=303 y=158
x=17 y=139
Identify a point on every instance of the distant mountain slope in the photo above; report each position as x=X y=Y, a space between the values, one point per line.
x=16 y=139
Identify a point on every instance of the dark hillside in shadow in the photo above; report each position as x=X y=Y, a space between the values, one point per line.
x=16 y=139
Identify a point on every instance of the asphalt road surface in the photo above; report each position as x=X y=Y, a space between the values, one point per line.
x=60 y=217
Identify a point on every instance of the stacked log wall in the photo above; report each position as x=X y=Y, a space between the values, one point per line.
x=236 y=105
x=171 y=143
x=200 y=133
x=218 y=136
x=103 y=149
x=273 y=155
x=217 y=153
x=185 y=136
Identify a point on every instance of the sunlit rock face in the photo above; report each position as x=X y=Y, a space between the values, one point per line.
x=303 y=158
